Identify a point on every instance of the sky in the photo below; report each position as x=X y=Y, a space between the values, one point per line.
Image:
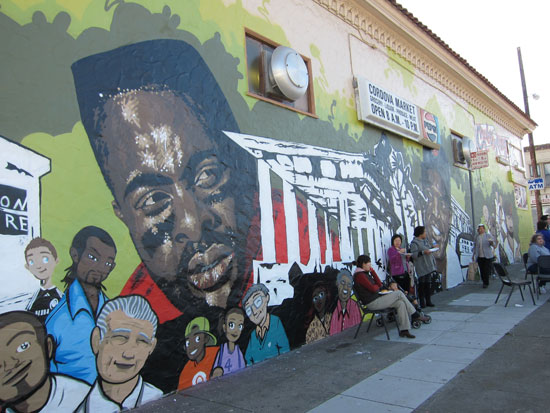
x=487 y=34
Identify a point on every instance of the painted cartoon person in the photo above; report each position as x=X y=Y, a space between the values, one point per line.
x=320 y=325
x=201 y=349
x=183 y=189
x=41 y=260
x=71 y=323
x=269 y=338
x=26 y=384
x=346 y=314
x=230 y=357
x=122 y=341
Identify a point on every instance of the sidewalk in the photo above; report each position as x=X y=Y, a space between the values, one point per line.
x=466 y=358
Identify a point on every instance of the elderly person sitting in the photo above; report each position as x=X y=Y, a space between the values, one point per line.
x=368 y=288
x=536 y=249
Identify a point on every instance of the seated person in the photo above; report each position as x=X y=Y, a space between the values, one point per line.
x=397 y=261
x=536 y=249
x=368 y=287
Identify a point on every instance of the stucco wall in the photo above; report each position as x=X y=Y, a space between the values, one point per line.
x=130 y=143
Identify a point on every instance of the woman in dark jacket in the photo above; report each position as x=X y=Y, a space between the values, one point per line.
x=424 y=264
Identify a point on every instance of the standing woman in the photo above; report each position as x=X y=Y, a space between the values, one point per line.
x=398 y=263
x=424 y=264
x=483 y=253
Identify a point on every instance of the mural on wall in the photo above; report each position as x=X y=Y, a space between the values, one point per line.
x=244 y=241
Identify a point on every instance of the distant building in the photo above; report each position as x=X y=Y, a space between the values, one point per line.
x=543 y=170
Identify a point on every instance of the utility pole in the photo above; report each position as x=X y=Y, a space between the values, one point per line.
x=538 y=205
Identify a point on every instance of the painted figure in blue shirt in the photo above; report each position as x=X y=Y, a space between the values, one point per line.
x=269 y=338
x=71 y=323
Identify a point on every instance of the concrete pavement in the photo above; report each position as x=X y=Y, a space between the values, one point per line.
x=474 y=354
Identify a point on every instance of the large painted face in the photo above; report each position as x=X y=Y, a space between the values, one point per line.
x=127 y=344
x=41 y=263
x=233 y=326
x=510 y=225
x=256 y=307
x=173 y=191
x=23 y=362
x=345 y=288
x=95 y=263
x=438 y=213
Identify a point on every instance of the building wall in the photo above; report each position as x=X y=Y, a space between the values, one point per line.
x=543 y=158
x=186 y=190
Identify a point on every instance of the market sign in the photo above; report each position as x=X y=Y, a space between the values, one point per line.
x=479 y=159
x=384 y=109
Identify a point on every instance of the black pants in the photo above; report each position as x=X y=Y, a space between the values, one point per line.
x=424 y=290
x=485 y=269
x=404 y=281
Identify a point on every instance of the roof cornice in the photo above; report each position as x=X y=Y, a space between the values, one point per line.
x=387 y=24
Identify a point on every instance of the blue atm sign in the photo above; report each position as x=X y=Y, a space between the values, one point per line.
x=535 y=184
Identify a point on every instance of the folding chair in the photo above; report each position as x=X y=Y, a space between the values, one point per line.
x=384 y=312
x=543 y=263
x=506 y=280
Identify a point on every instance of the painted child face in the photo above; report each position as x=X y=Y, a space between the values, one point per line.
x=233 y=326
x=41 y=263
x=195 y=346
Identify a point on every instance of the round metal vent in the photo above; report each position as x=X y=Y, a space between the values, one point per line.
x=289 y=72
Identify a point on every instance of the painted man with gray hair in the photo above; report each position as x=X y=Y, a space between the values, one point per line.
x=269 y=338
x=122 y=340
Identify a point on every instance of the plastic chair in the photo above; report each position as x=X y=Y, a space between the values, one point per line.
x=544 y=263
x=389 y=312
x=507 y=281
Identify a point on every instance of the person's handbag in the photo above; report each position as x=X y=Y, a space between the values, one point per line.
x=473 y=271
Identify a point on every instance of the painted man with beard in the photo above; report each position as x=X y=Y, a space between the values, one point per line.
x=71 y=323
x=154 y=115
x=438 y=212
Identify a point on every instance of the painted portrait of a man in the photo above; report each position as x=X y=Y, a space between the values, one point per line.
x=155 y=117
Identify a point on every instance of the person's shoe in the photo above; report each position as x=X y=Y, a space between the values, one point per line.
x=485 y=285
x=429 y=304
x=405 y=333
x=420 y=317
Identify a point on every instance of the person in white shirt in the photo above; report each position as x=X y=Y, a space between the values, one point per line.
x=27 y=384
x=484 y=253
x=122 y=341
